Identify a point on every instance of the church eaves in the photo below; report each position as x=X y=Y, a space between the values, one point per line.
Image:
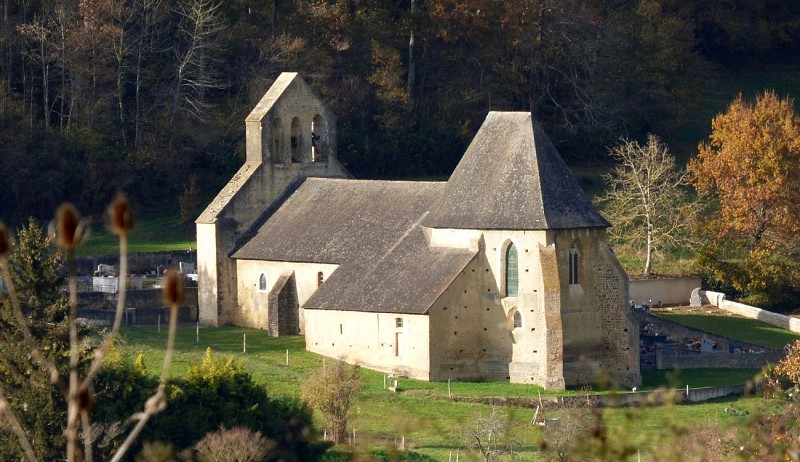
x=512 y=177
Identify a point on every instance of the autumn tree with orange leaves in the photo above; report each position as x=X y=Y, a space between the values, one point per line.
x=749 y=175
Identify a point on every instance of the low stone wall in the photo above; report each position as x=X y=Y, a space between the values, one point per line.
x=677 y=330
x=663 y=291
x=638 y=398
x=141 y=299
x=138 y=262
x=723 y=357
x=717 y=360
x=718 y=299
x=137 y=316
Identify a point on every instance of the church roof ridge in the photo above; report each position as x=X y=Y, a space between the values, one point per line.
x=512 y=177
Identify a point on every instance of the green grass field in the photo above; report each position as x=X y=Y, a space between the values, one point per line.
x=149 y=235
x=743 y=329
x=432 y=425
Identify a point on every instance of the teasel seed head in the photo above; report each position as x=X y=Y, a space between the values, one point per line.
x=173 y=288
x=120 y=217
x=69 y=227
x=85 y=400
x=5 y=242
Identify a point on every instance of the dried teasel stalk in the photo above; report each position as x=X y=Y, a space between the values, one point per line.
x=173 y=296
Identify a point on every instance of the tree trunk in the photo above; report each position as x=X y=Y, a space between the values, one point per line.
x=45 y=82
x=649 y=262
x=411 y=59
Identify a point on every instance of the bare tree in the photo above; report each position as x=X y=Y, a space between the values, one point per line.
x=39 y=34
x=490 y=435
x=200 y=25
x=150 y=19
x=645 y=200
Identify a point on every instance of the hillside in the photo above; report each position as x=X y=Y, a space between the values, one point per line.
x=149 y=98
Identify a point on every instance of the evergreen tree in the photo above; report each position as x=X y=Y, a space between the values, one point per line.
x=36 y=274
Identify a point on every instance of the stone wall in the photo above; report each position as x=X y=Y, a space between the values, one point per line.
x=638 y=398
x=138 y=299
x=284 y=316
x=719 y=300
x=253 y=302
x=138 y=262
x=374 y=340
x=274 y=166
x=663 y=291
x=138 y=316
x=717 y=360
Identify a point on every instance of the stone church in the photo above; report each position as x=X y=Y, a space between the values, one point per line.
x=501 y=273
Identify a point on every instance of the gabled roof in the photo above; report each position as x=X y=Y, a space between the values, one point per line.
x=408 y=278
x=371 y=230
x=512 y=177
x=275 y=92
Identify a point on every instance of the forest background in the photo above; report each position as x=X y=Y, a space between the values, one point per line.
x=147 y=97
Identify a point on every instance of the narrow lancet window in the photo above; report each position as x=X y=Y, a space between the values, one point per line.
x=262 y=283
x=512 y=271
x=573 y=264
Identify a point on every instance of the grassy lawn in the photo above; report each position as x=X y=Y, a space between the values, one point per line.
x=743 y=329
x=431 y=424
x=150 y=235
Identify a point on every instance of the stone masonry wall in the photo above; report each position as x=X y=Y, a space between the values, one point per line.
x=259 y=184
x=284 y=318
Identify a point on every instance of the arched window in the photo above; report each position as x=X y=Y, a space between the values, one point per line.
x=320 y=278
x=512 y=271
x=319 y=137
x=517 y=319
x=276 y=154
x=573 y=264
x=297 y=142
x=262 y=283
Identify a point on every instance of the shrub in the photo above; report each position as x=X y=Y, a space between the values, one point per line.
x=236 y=444
x=219 y=393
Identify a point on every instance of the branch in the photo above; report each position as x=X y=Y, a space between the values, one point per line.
x=173 y=295
x=8 y=414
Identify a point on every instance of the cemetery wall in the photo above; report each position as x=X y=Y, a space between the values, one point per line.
x=663 y=291
x=139 y=299
x=138 y=262
x=718 y=299
x=717 y=360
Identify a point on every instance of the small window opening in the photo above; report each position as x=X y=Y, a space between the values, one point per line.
x=318 y=139
x=295 y=141
x=277 y=144
x=398 y=322
x=517 y=319
x=262 y=283
x=320 y=278
x=573 y=264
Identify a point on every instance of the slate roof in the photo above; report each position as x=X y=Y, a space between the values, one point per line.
x=512 y=177
x=371 y=230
